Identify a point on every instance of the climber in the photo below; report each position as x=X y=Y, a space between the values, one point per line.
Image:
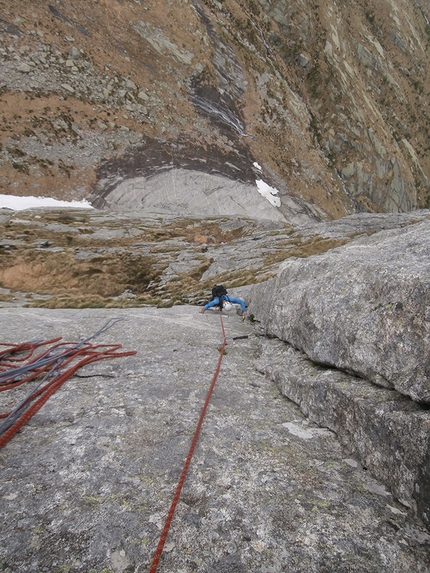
x=221 y=299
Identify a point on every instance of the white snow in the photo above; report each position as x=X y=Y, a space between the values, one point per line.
x=268 y=192
x=257 y=166
x=21 y=203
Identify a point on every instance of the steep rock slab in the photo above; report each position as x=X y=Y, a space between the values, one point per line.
x=363 y=308
x=386 y=431
x=181 y=192
x=183 y=178
x=87 y=484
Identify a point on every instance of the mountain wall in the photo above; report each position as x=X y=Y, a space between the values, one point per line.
x=327 y=103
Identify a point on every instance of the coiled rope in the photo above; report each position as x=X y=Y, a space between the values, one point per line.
x=19 y=364
x=164 y=533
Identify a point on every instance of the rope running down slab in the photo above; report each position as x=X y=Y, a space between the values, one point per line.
x=164 y=533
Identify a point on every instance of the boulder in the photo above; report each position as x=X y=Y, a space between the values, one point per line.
x=68 y=88
x=74 y=54
x=24 y=68
x=363 y=308
x=303 y=60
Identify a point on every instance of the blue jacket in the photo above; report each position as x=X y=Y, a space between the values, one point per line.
x=215 y=302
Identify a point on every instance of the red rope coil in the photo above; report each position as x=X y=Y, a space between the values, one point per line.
x=47 y=363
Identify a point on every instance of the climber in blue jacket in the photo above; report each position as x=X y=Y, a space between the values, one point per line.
x=220 y=297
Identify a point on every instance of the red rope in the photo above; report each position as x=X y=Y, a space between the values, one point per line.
x=85 y=354
x=164 y=533
x=18 y=348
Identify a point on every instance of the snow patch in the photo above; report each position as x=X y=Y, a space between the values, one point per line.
x=257 y=166
x=268 y=192
x=21 y=203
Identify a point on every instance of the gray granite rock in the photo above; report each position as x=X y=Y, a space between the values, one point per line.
x=190 y=193
x=87 y=484
x=386 y=431
x=363 y=308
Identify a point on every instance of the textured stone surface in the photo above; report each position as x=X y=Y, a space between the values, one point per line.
x=363 y=308
x=386 y=431
x=330 y=99
x=186 y=193
x=87 y=484
x=186 y=255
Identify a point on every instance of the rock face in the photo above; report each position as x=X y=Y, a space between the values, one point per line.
x=360 y=312
x=194 y=194
x=183 y=180
x=363 y=308
x=330 y=99
x=85 y=257
x=87 y=484
x=388 y=433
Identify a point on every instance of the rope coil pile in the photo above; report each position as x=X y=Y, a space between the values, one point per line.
x=51 y=363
